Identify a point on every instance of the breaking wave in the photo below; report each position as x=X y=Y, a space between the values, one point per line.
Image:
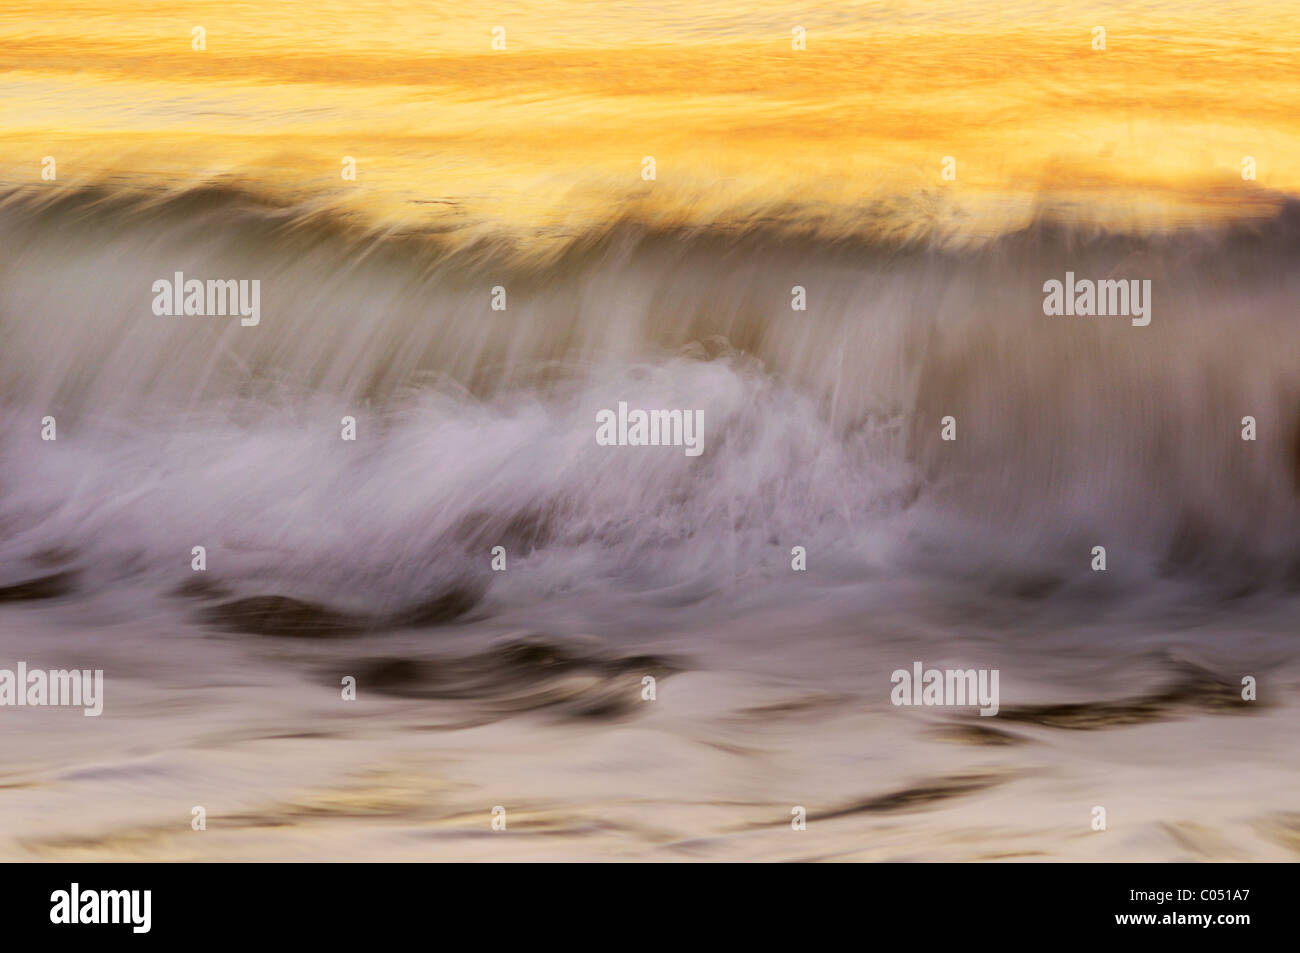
x=476 y=426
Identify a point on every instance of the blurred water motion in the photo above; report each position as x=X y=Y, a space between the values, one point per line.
x=526 y=688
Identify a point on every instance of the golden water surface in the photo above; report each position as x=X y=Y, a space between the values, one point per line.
x=551 y=132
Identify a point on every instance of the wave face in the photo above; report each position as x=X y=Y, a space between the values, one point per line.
x=476 y=427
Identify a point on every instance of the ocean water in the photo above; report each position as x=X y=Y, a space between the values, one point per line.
x=476 y=429
x=524 y=688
